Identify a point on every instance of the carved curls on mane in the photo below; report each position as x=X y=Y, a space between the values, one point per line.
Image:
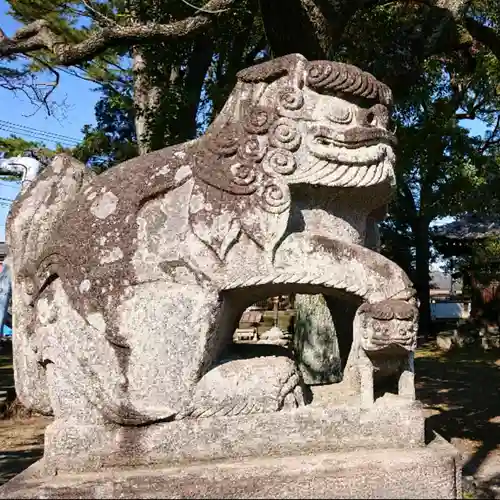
x=346 y=79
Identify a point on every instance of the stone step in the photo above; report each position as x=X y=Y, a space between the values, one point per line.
x=428 y=472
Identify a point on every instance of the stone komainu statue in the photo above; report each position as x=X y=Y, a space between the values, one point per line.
x=128 y=285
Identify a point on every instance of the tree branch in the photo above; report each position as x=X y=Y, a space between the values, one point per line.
x=454 y=7
x=490 y=141
x=40 y=36
x=38 y=93
x=456 y=10
x=484 y=34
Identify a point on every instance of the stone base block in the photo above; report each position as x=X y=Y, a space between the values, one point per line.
x=429 y=472
x=390 y=423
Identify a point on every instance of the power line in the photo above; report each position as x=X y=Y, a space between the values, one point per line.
x=38 y=135
x=35 y=136
x=6 y=199
x=32 y=129
x=31 y=135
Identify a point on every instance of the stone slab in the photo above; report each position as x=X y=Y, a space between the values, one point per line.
x=304 y=430
x=428 y=472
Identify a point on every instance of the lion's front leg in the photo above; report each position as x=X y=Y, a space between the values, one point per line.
x=367 y=386
x=406 y=385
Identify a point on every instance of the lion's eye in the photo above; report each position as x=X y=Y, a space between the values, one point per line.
x=340 y=115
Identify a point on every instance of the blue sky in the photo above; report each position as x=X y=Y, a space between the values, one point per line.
x=78 y=110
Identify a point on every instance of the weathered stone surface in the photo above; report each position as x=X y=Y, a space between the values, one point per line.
x=385 y=337
x=430 y=472
x=331 y=426
x=490 y=337
x=466 y=334
x=128 y=287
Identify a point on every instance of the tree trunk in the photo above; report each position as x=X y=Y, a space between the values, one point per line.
x=422 y=260
x=197 y=68
x=143 y=98
x=312 y=28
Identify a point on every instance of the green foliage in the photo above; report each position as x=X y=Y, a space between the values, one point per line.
x=113 y=138
x=443 y=169
x=16 y=146
x=167 y=83
x=478 y=256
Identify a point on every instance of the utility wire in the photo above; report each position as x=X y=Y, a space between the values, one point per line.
x=36 y=136
x=32 y=129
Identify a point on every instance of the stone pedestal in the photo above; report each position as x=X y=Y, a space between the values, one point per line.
x=329 y=449
x=429 y=472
